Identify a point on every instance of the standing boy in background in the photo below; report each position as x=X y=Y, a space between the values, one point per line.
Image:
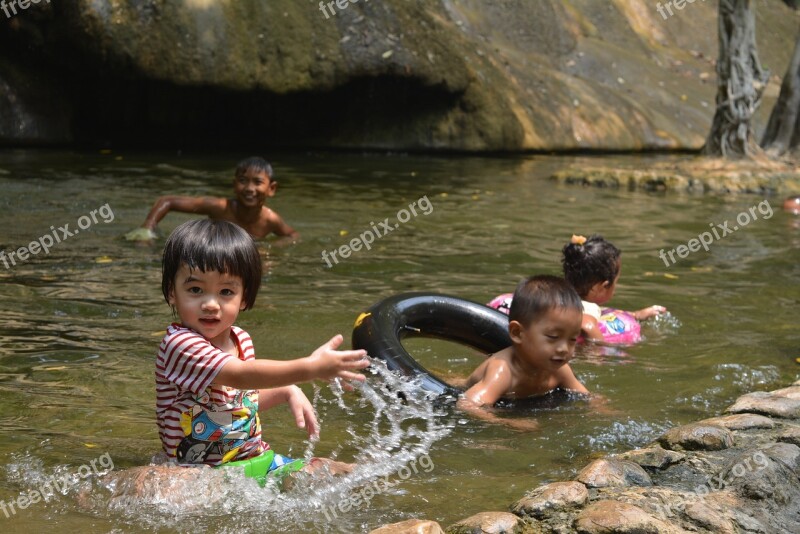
x=252 y=185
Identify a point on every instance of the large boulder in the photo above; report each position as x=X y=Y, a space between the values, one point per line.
x=399 y=74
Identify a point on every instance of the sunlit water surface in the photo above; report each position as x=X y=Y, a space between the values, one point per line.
x=82 y=323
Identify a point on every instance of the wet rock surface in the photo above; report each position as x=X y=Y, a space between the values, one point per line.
x=486 y=523
x=613 y=472
x=740 y=473
x=694 y=175
x=469 y=75
x=697 y=437
x=411 y=526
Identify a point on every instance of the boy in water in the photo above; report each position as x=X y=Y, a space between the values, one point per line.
x=544 y=323
x=252 y=185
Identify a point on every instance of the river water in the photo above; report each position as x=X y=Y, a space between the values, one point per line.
x=82 y=323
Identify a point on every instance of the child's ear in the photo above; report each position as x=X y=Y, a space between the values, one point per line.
x=171 y=299
x=515 y=331
x=273 y=187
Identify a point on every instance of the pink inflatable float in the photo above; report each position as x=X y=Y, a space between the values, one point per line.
x=617 y=326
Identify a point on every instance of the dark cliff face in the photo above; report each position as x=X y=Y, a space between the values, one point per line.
x=395 y=74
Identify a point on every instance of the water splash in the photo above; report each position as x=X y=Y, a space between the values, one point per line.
x=393 y=426
x=663 y=323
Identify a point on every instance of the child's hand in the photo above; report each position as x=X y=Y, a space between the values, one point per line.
x=329 y=363
x=141 y=234
x=303 y=411
x=646 y=313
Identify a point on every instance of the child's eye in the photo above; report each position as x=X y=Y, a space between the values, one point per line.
x=194 y=289
x=227 y=292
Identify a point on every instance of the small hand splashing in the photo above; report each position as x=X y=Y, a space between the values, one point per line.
x=664 y=323
x=392 y=424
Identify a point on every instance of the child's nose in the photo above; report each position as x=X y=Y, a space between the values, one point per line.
x=210 y=304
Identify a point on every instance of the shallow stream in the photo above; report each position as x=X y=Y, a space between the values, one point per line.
x=82 y=323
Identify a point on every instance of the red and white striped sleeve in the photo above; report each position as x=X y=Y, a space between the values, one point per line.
x=189 y=360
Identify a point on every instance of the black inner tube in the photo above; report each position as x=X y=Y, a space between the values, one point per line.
x=381 y=329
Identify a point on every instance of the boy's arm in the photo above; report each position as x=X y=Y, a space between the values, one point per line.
x=324 y=363
x=568 y=380
x=211 y=206
x=280 y=228
x=483 y=413
x=496 y=381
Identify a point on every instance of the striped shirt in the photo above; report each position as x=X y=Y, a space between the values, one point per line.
x=198 y=421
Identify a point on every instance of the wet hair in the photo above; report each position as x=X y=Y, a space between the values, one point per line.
x=536 y=295
x=210 y=245
x=596 y=260
x=256 y=163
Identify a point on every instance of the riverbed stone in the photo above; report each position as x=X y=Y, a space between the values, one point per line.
x=556 y=496
x=765 y=403
x=716 y=512
x=486 y=523
x=695 y=437
x=792 y=392
x=612 y=472
x=740 y=421
x=652 y=457
x=410 y=526
x=606 y=517
x=790 y=435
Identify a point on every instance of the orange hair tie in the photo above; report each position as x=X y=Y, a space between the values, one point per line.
x=577 y=240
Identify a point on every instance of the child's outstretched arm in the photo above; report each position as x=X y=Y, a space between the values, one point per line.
x=211 y=206
x=325 y=363
x=646 y=313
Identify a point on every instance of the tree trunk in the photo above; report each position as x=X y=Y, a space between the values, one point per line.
x=783 y=128
x=740 y=82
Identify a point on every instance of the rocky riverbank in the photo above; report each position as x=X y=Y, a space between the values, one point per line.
x=692 y=175
x=739 y=472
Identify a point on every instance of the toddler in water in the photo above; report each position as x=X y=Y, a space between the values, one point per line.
x=544 y=323
x=209 y=385
x=593 y=266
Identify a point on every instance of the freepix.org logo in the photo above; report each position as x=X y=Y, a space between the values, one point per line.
x=9 y=7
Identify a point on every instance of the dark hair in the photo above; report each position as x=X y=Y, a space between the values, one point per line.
x=536 y=295
x=210 y=245
x=596 y=260
x=254 y=162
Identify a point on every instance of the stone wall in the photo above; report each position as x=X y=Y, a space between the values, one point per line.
x=474 y=75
